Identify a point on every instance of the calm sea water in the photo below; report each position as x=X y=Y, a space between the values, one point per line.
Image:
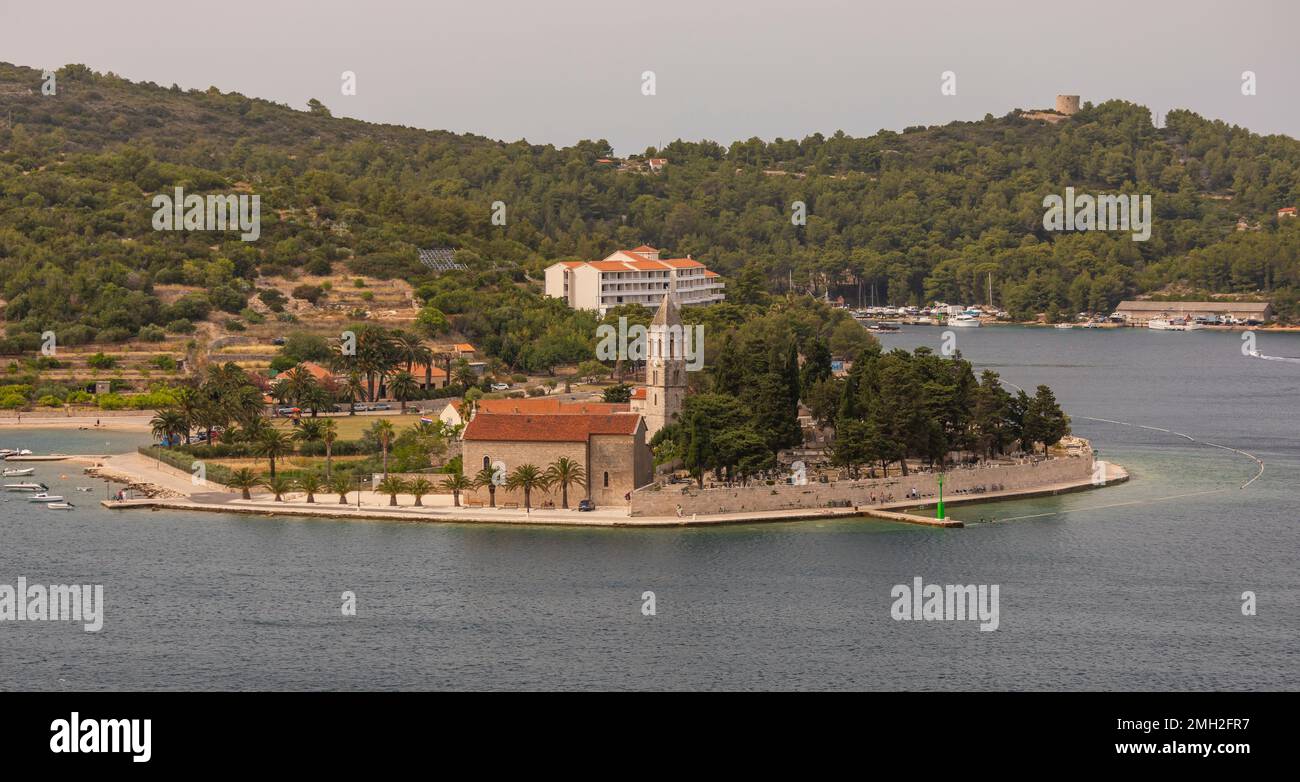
x=1130 y=587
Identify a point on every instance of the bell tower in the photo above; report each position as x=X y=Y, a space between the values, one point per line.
x=665 y=368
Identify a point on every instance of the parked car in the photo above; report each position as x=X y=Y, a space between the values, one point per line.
x=278 y=341
x=381 y=406
x=586 y=505
x=500 y=386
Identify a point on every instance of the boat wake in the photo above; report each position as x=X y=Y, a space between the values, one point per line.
x=1288 y=359
x=1258 y=461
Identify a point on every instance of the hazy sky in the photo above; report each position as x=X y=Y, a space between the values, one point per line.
x=562 y=70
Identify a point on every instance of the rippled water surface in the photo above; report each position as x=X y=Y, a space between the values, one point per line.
x=1130 y=587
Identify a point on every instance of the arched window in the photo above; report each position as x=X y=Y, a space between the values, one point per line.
x=487 y=463
x=606 y=480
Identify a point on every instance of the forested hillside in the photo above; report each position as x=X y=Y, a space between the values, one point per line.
x=923 y=214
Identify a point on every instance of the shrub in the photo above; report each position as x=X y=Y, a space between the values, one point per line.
x=181 y=326
x=309 y=293
x=152 y=333
x=101 y=361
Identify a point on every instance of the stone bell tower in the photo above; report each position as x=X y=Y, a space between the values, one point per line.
x=665 y=369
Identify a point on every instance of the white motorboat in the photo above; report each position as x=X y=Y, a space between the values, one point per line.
x=1175 y=324
x=1065 y=325
x=15 y=473
x=60 y=506
x=44 y=497
x=965 y=321
x=26 y=487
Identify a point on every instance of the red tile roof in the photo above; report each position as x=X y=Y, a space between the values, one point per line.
x=317 y=371
x=549 y=428
x=548 y=406
x=645 y=248
x=417 y=369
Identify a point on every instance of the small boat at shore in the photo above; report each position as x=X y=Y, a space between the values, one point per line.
x=15 y=473
x=5 y=453
x=1064 y=325
x=26 y=487
x=1175 y=324
x=965 y=321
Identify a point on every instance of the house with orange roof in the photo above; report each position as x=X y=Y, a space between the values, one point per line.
x=610 y=448
x=657 y=164
x=637 y=276
x=1286 y=211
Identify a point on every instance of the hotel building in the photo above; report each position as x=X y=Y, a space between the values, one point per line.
x=637 y=276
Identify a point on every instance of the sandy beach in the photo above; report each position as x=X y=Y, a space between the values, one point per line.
x=133 y=422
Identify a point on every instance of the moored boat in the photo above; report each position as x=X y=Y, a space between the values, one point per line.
x=44 y=497
x=26 y=487
x=965 y=321
x=14 y=473
x=1174 y=324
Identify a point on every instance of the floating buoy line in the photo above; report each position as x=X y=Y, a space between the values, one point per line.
x=1259 y=462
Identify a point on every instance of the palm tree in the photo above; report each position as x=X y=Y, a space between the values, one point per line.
x=279 y=485
x=420 y=487
x=255 y=427
x=308 y=431
x=456 y=483
x=246 y=405
x=329 y=432
x=465 y=374
x=273 y=444
x=384 y=434
x=392 y=486
x=243 y=479
x=355 y=387
x=403 y=388
x=188 y=403
x=565 y=471
x=310 y=483
x=484 y=478
x=341 y=484
x=527 y=477
x=445 y=357
x=168 y=423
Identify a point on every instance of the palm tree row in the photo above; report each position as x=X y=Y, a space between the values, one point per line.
x=563 y=472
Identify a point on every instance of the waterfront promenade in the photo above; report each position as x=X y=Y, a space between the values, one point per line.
x=176 y=491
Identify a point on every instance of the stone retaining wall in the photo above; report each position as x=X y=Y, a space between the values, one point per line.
x=656 y=500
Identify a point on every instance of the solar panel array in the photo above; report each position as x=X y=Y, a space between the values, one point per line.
x=441 y=259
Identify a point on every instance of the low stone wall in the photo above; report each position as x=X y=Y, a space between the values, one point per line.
x=657 y=500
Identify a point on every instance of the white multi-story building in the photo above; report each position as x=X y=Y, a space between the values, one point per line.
x=637 y=276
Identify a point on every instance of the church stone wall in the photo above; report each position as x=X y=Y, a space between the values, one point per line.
x=662 y=500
